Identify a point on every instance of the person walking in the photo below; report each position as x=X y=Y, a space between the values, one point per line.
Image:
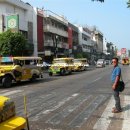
x=115 y=77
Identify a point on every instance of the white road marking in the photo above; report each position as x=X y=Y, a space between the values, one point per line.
x=104 y=121
x=126 y=115
x=96 y=79
x=11 y=92
x=62 y=102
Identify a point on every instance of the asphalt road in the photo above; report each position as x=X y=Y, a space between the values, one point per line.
x=81 y=101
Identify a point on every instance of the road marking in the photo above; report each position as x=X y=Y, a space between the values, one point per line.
x=96 y=79
x=81 y=118
x=4 y=91
x=53 y=108
x=105 y=119
x=126 y=115
x=11 y=92
x=57 y=118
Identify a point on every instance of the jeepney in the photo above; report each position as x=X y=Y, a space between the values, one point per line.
x=8 y=118
x=125 y=61
x=80 y=64
x=26 y=66
x=61 y=66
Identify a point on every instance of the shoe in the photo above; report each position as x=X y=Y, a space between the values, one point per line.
x=113 y=108
x=116 y=111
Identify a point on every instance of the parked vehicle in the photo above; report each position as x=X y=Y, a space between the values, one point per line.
x=100 y=63
x=125 y=61
x=80 y=64
x=107 y=62
x=62 y=66
x=44 y=65
x=16 y=69
x=8 y=118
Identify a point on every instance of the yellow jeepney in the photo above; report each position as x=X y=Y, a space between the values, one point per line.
x=19 y=69
x=80 y=64
x=125 y=61
x=61 y=66
x=8 y=118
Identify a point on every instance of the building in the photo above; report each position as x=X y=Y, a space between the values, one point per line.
x=18 y=16
x=73 y=40
x=97 y=36
x=55 y=35
x=85 y=41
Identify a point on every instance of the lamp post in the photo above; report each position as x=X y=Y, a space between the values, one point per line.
x=56 y=42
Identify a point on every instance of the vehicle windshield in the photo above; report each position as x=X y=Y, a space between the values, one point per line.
x=59 y=61
x=6 y=61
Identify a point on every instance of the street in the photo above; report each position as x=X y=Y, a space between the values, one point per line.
x=81 y=101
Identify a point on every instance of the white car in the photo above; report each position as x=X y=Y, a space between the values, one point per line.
x=100 y=63
x=45 y=65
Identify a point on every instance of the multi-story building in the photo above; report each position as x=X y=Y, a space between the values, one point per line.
x=17 y=16
x=55 y=35
x=85 y=40
x=97 y=36
x=73 y=40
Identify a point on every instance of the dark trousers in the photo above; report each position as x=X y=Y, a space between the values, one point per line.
x=117 y=99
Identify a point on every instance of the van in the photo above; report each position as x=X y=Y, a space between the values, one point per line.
x=100 y=63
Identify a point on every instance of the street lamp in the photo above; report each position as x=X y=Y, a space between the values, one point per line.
x=56 y=42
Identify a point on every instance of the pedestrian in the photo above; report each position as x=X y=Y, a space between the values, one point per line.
x=115 y=77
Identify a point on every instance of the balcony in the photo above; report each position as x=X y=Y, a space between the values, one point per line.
x=49 y=28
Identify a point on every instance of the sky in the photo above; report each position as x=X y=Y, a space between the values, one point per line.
x=112 y=17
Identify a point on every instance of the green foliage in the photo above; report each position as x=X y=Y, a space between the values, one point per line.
x=12 y=44
x=128 y=4
x=81 y=55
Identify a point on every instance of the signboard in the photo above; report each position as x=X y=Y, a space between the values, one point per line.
x=12 y=22
x=123 y=50
x=118 y=53
x=48 y=53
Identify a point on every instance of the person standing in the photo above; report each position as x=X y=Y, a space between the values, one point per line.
x=115 y=77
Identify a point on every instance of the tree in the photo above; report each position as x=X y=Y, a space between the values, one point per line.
x=128 y=3
x=13 y=44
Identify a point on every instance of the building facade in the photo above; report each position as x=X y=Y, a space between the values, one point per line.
x=55 y=35
x=11 y=10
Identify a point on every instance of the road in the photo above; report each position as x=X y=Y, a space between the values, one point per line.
x=81 y=101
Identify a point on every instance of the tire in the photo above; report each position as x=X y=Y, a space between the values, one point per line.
x=62 y=72
x=70 y=72
x=50 y=74
x=7 y=81
x=34 y=77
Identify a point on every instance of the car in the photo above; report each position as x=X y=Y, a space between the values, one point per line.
x=44 y=65
x=107 y=62
x=17 y=69
x=100 y=63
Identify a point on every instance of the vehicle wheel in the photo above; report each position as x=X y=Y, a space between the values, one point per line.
x=50 y=73
x=34 y=77
x=6 y=81
x=70 y=72
x=62 y=72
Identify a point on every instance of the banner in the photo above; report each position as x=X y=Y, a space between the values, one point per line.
x=123 y=50
x=12 y=22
